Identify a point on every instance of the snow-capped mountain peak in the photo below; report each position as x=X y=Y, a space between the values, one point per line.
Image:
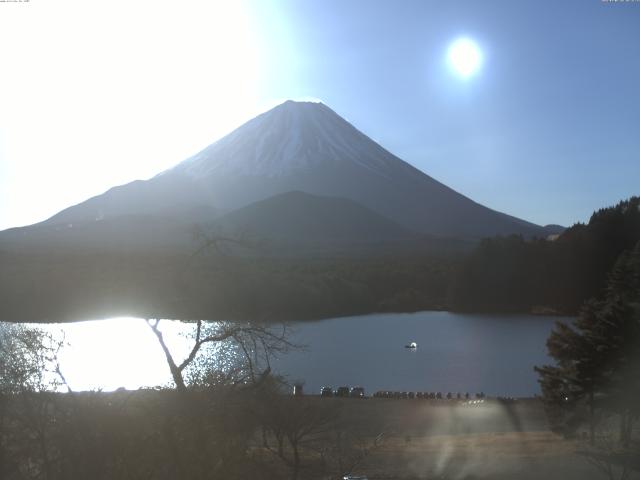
x=305 y=147
x=288 y=139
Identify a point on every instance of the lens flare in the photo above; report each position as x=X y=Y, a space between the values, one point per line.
x=464 y=57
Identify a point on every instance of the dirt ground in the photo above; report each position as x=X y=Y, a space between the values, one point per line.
x=451 y=440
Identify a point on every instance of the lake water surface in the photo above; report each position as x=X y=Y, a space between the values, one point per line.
x=458 y=353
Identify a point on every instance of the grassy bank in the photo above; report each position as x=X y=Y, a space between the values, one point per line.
x=256 y=433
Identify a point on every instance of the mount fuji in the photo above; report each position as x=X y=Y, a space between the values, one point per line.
x=298 y=147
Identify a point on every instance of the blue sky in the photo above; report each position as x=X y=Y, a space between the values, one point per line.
x=95 y=94
x=549 y=129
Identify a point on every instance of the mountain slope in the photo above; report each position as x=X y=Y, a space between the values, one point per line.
x=297 y=217
x=124 y=233
x=301 y=146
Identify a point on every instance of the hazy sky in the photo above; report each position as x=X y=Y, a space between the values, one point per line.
x=99 y=93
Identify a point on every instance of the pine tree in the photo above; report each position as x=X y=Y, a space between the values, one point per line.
x=598 y=357
x=622 y=313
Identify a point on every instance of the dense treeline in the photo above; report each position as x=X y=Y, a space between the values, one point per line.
x=502 y=274
x=519 y=275
x=58 y=286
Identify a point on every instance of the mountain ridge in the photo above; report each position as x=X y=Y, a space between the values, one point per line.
x=296 y=217
x=301 y=146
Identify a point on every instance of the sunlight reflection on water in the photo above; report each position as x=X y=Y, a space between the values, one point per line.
x=119 y=352
x=457 y=353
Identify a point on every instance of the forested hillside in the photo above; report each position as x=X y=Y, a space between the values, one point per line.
x=61 y=286
x=512 y=274
x=502 y=274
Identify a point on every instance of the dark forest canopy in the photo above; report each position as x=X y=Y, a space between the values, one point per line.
x=597 y=359
x=515 y=274
x=502 y=274
x=49 y=287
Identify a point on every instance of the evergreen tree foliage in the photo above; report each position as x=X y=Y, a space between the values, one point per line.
x=598 y=356
x=516 y=274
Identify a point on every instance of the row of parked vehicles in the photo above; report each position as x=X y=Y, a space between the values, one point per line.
x=427 y=395
x=358 y=392
x=345 y=391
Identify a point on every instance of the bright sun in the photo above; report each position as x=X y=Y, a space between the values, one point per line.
x=464 y=57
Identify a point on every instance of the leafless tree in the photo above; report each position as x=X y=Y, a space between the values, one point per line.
x=313 y=437
x=297 y=425
x=345 y=451
x=256 y=344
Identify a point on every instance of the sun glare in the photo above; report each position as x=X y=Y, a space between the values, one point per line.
x=120 y=352
x=121 y=95
x=464 y=57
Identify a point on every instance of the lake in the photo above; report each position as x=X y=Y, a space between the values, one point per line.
x=494 y=354
x=456 y=352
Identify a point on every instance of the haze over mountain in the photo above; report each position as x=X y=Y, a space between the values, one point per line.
x=292 y=220
x=303 y=147
x=302 y=217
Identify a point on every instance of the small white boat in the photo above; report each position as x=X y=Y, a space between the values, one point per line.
x=411 y=345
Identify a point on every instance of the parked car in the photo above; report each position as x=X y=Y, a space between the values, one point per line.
x=357 y=392
x=326 y=392
x=342 y=392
